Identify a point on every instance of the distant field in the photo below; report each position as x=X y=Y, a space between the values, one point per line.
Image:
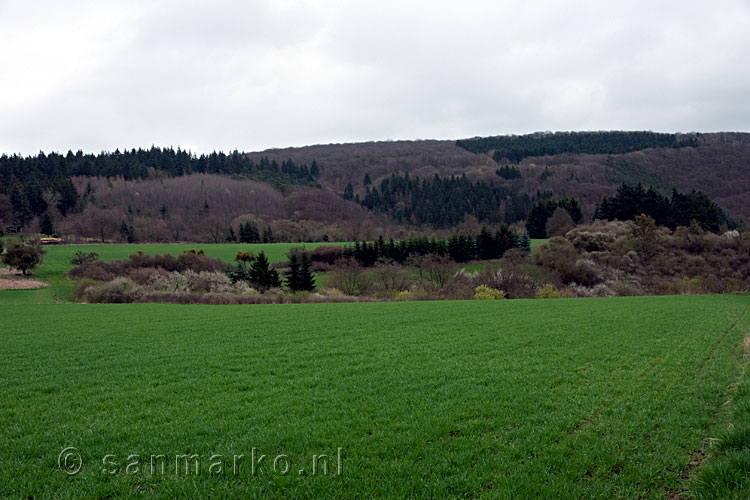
x=579 y=398
x=57 y=262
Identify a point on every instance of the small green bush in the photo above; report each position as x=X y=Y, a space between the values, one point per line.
x=483 y=292
x=549 y=291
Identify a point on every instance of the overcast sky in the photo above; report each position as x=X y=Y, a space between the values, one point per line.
x=251 y=75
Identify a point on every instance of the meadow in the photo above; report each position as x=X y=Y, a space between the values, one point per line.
x=569 y=398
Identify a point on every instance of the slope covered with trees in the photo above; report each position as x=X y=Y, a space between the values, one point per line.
x=517 y=147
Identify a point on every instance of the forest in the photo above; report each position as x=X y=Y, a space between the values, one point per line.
x=517 y=147
x=33 y=183
x=443 y=203
x=681 y=209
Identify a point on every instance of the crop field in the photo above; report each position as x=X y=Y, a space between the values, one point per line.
x=569 y=398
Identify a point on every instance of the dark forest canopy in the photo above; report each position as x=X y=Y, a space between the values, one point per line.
x=443 y=203
x=31 y=182
x=681 y=209
x=517 y=147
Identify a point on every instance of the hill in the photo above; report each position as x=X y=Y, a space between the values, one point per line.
x=348 y=191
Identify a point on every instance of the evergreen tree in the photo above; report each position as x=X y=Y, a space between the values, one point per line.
x=348 y=192
x=231 y=236
x=367 y=180
x=262 y=275
x=249 y=232
x=292 y=275
x=267 y=235
x=126 y=231
x=46 y=224
x=306 y=279
x=486 y=247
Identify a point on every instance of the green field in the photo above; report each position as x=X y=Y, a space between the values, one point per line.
x=578 y=398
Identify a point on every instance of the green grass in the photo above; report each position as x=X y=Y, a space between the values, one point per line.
x=594 y=398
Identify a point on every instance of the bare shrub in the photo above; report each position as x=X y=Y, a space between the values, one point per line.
x=437 y=269
x=515 y=283
x=326 y=254
x=560 y=223
x=350 y=278
x=99 y=270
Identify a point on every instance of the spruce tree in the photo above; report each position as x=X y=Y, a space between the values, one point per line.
x=305 y=280
x=262 y=275
x=292 y=275
x=349 y=192
x=46 y=224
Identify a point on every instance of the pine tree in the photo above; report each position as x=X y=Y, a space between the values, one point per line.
x=292 y=275
x=367 y=180
x=231 y=237
x=349 y=192
x=305 y=280
x=127 y=231
x=486 y=248
x=262 y=275
x=46 y=224
x=267 y=235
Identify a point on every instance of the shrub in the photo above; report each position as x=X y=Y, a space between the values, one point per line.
x=549 y=291
x=22 y=256
x=118 y=291
x=516 y=284
x=330 y=255
x=483 y=292
x=99 y=270
x=350 y=278
x=80 y=286
x=81 y=257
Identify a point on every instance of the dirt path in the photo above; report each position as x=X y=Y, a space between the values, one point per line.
x=11 y=280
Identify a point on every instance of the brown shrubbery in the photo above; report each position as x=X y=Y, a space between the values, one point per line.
x=636 y=257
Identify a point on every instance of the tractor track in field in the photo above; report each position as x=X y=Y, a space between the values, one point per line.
x=721 y=339
x=699 y=457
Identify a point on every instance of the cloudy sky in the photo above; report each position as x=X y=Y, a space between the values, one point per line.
x=251 y=75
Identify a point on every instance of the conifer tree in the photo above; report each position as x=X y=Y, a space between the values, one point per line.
x=46 y=224
x=262 y=275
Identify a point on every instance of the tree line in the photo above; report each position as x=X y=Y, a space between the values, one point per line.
x=542 y=211
x=459 y=247
x=34 y=183
x=443 y=203
x=517 y=147
x=681 y=209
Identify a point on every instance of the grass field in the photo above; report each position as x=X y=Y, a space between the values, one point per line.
x=594 y=398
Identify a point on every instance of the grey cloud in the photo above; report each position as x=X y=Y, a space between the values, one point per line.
x=252 y=75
